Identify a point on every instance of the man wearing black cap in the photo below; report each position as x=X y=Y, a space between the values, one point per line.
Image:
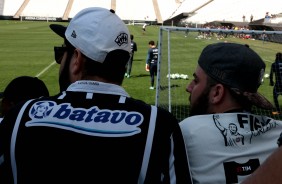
x=20 y=89
x=92 y=131
x=225 y=142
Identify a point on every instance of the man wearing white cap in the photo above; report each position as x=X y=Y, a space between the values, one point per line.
x=92 y=131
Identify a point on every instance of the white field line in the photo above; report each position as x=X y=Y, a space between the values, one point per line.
x=45 y=69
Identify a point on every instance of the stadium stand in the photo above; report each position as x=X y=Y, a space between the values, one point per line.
x=67 y=12
x=35 y=9
x=9 y=8
x=166 y=9
x=222 y=10
x=79 y=5
x=185 y=10
x=165 y=12
x=138 y=11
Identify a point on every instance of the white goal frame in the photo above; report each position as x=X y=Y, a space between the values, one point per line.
x=164 y=45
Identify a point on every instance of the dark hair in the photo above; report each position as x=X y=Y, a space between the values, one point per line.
x=131 y=37
x=64 y=78
x=112 y=69
x=278 y=56
x=24 y=88
x=211 y=82
x=151 y=42
x=239 y=98
x=21 y=89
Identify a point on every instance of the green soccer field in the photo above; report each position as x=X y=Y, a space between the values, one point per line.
x=184 y=52
x=27 y=49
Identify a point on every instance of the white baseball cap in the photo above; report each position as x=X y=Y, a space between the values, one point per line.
x=96 y=31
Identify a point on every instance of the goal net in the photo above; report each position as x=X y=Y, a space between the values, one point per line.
x=179 y=49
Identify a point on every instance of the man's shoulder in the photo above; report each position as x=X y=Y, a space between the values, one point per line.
x=196 y=118
x=226 y=118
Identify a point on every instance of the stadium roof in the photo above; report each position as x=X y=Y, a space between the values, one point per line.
x=197 y=11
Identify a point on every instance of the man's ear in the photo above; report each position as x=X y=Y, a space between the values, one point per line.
x=217 y=93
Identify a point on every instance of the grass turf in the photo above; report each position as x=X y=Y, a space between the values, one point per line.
x=27 y=49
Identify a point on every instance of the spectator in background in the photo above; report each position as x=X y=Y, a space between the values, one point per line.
x=276 y=71
x=264 y=37
x=152 y=62
x=244 y=18
x=251 y=18
x=133 y=46
x=267 y=17
x=92 y=131
x=222 y=130
x=21 y=89
x=186 y=31
x=144 y=28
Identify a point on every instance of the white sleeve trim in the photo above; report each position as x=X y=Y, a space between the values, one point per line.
x=13 y=141
x=148 y=147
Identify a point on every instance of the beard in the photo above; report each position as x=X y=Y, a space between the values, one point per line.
x=64 y=80
x=64 y=77
x=201 y=105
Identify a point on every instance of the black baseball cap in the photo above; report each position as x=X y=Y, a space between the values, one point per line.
x=238 y=67
x=59 y=29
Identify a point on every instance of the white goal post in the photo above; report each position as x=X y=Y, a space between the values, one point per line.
x=179 y=49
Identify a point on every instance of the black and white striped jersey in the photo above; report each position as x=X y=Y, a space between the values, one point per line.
x=93 y=132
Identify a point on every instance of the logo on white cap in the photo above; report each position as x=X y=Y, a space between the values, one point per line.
x=121 y=39
x=73 y=34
